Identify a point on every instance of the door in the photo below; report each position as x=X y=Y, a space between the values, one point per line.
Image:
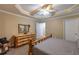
x=40 y=29
x=71 y=30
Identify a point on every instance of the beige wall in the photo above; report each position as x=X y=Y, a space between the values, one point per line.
x=55 y=27
x=1 y=26
x=11 y=24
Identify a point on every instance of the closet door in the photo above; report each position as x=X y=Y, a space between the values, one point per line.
x=71 y=29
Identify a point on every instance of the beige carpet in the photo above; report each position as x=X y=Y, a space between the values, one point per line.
x=54 y=46
x=59 y=46
x=18 y=51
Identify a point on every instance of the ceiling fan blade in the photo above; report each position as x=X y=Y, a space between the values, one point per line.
x=45 y=6
x=34 y=11
x=49 y=7
x=37 y=9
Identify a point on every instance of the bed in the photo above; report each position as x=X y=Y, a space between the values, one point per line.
x=52 y=46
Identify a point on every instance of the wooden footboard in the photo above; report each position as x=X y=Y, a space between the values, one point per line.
x=32 y=43
x=20 y=40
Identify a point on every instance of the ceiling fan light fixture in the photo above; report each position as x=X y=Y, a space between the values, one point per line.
x=44 y=12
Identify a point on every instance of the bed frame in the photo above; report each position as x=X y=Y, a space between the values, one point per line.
x=32 y=43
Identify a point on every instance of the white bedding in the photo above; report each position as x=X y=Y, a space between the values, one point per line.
x=56 y=47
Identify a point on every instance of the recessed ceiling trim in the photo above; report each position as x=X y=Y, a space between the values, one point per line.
x=66 y=10
x=72 y=7
x=21 y=9
x=62 y=16
x=37 y=19
x=16 y=14
x=57 y=13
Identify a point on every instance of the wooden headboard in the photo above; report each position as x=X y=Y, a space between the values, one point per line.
x=32 y=43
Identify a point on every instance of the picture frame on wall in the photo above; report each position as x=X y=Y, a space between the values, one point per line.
x=23 y=28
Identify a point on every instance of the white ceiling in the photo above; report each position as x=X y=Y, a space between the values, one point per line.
x=24 y=9
x=58 y=7
x=29 y=7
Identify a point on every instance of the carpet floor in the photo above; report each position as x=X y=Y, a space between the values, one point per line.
x=23 y=50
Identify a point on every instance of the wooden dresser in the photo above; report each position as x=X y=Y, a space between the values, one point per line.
x=22 y=39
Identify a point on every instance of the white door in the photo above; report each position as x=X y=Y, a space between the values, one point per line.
x=71 y=30
x=40 y=29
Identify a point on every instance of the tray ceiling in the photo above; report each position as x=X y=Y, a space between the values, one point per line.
x=26 y=9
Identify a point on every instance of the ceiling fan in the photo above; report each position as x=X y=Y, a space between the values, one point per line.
x=43 y=10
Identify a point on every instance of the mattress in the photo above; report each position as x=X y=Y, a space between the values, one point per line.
x=53 y=46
